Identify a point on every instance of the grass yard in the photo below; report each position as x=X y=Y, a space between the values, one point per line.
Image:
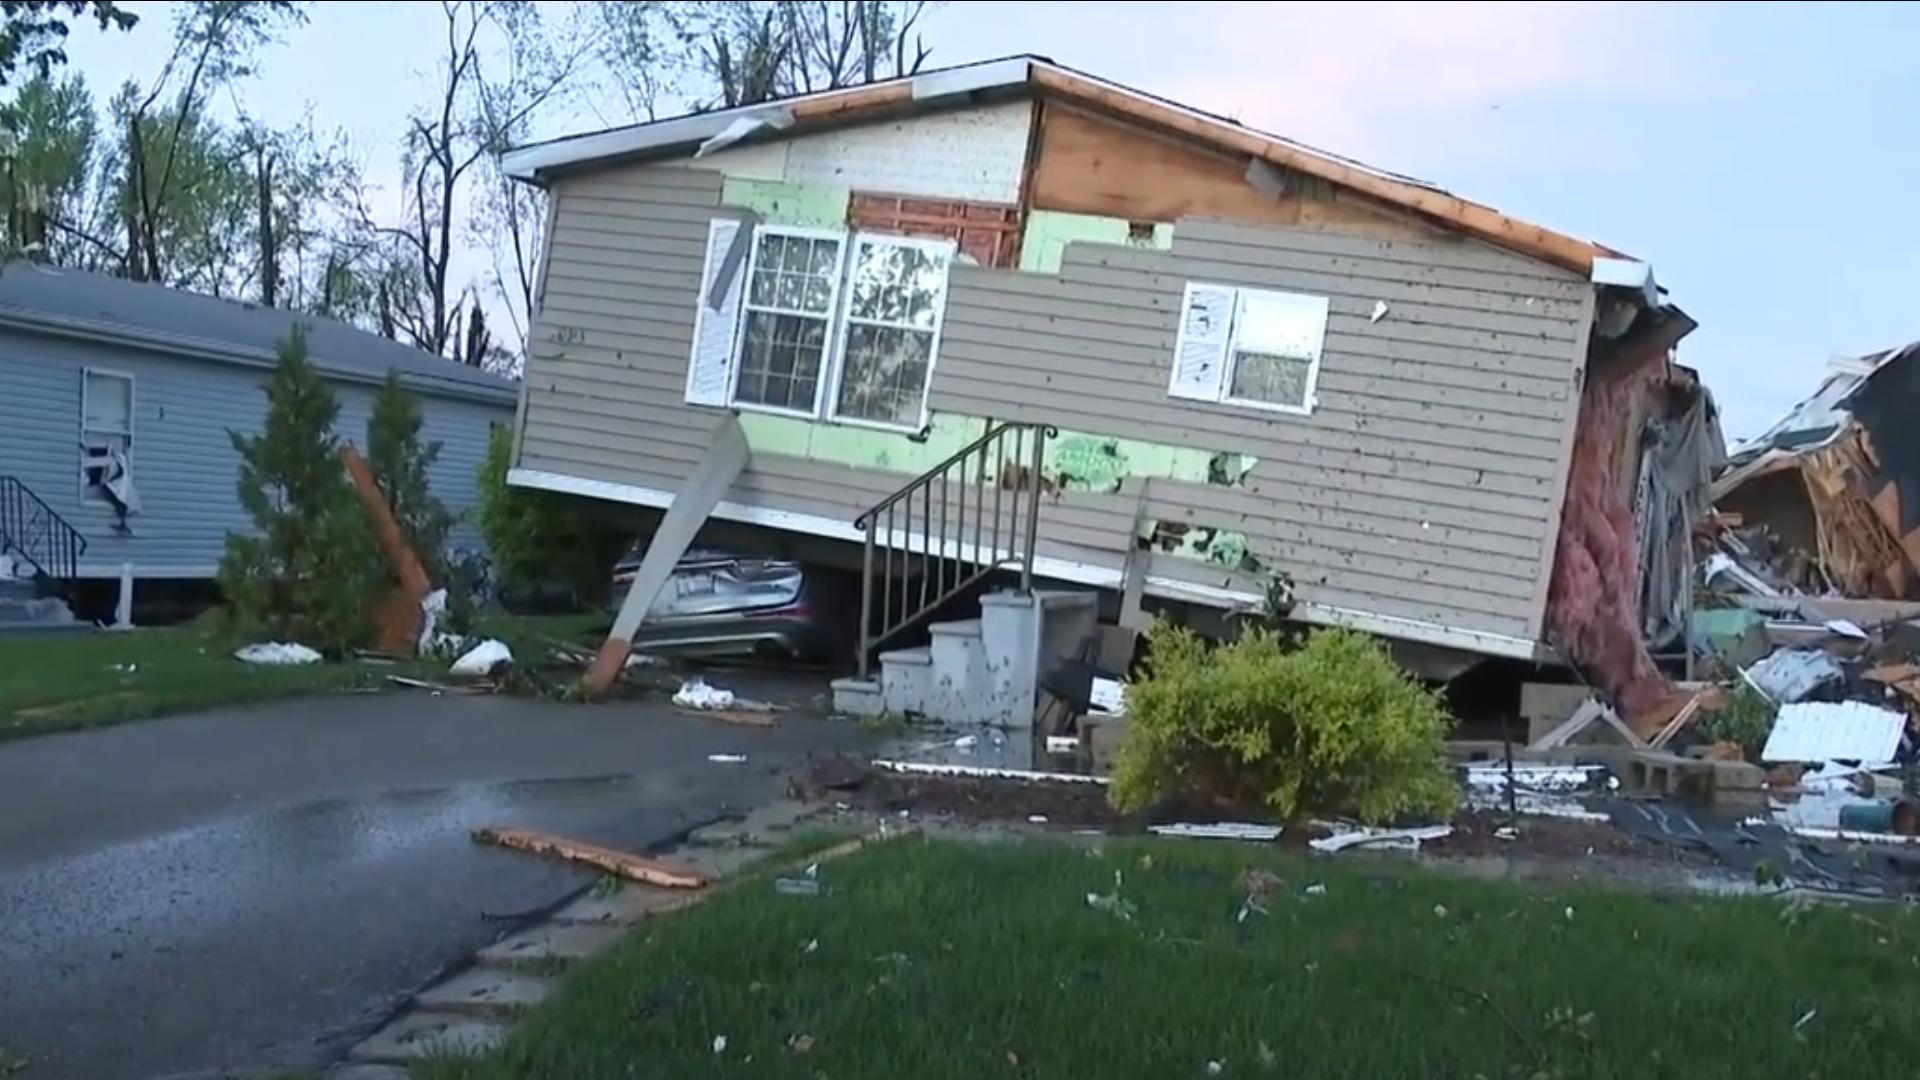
x=931 y=959
x=66 y=681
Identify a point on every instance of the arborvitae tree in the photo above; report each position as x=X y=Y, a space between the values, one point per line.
x=311 y=571
x=399 y=461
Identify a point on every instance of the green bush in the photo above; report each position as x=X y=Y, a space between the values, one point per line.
x=1746 y=719
x=1334 y=727
x=538 y=537
x=311 y=569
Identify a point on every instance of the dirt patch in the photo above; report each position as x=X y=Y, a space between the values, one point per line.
x=965 y=799
x=1474 y=833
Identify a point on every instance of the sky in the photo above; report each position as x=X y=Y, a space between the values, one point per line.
x=1760 y=157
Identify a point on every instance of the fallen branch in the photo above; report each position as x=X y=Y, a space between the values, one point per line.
x=622 y=863
x=742 y=717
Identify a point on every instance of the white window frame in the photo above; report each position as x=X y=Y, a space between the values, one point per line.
x=1222 y=392
x=88 y=494
x=1307 y=401
x=747 y=308
x=846 y=320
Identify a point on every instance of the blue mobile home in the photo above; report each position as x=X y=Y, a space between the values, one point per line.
x=116 y=398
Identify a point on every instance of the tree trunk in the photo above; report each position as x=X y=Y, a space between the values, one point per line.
x=269 y=252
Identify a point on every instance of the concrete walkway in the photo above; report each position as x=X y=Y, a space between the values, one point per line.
x=251 y=889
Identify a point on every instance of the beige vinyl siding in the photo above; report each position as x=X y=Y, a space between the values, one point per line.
x=1423 y=486
x=607 y=367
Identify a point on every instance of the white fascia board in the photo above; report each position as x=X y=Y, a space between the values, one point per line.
x=1627 y=274
x=1058 y=569
x=528 y=162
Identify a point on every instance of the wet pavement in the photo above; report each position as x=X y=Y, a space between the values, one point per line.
x=249 y=890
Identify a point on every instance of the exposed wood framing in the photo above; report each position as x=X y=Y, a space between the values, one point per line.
x=1481 y=221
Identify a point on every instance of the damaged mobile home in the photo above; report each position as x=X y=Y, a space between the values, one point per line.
x=1012 y=322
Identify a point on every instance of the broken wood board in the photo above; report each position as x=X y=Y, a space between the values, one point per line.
x=621 y=863
x=743 y=717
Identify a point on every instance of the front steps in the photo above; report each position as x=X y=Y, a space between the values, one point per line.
x=978 y=671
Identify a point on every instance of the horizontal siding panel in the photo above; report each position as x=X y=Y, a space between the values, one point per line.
x=1306 y=508
x=624 y=249
x=1432 y=258
x=1347 y=301
x=1106 y=410
x=1255 y=266
x=1391 y=605
x=637 y=210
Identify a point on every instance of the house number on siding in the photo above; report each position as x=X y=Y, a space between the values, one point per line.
x=568 y=335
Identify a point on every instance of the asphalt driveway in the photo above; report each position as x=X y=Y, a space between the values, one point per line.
x=250 y=889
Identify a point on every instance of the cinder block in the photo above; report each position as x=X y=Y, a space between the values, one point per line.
x=1103 y=739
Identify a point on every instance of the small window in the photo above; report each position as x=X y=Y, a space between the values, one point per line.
x=1276 y=346
x=106 y=435
x=895 y=296
x=792 y=286
x=1252 y=347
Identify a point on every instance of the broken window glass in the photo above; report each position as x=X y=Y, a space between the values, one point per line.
x=1277 y=339
x=792 y=285
x=895 y=293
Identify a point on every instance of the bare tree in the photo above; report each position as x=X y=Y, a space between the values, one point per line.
x=753 y=50
x=502 y=65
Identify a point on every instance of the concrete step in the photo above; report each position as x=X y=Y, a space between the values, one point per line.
x=495 y=992
x=905 y=675
x=551 y=947
x=418 y=1035
x=955 y=628
x=858 y=697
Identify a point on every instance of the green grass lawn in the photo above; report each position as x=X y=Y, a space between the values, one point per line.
x=933 y=959
x=61 y=682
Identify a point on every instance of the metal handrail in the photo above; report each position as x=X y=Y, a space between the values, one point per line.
x=34 y=531
x=940 y=556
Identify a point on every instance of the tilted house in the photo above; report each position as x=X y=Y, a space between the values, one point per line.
x=1238 y=356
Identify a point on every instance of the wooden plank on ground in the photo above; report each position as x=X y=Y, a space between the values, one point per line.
x=622 y=863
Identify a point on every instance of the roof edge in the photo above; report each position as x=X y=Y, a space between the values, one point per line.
x=116 y=333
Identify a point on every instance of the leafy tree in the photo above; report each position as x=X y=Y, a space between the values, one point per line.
x=537 y=537
x=311 y=570
x=47 y=151
x=34 y=32
x=399 y=460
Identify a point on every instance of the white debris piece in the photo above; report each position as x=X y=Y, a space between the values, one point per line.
x=1316 y=889
x=1847 y=628
x=1223 y=830
x=966 y=742
x=482 y=658
x=1379 y=311
x=432 y=606
x=276 y=653
x=1109 y=696
x=1834 y=731
x=1346 y=836
x=1062 y=744
x=719 y=1044
x=727 y=759
x=696 y=694
x=1531 y=777
x=1791 y=674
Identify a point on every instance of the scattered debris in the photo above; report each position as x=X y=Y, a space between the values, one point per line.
x=1112 y=903
x=1379 y=311
x=941 y=769
x=696 y=694
x=437 y=688
x=1792 y=674
x=1108 y=696
x=727 y=759
x=1222 y=830
x=797 y=886
x=1036 y=819
x=276 y=653
x=800 y=1044
x=624 y=864
x=1347 y=836
x=1062 y=744
x=1835 y=731
x=719 y=1044
x=1316 y=889
x=742 y=717
x=483 y=659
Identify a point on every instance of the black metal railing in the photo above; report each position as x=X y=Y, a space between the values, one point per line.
x=974 y=513
x=31 y=530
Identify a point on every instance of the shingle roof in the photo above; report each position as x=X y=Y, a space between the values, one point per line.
x=79 y=303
